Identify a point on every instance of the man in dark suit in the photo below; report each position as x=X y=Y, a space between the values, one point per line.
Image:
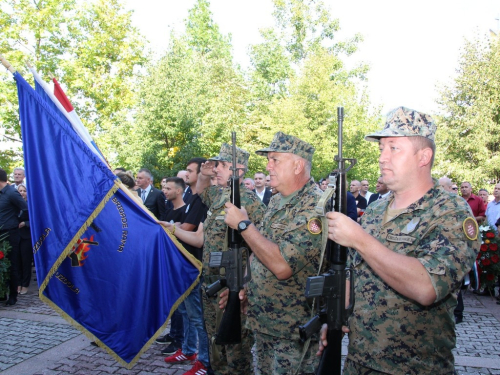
x=11 y=205
x=152 y=198
x=382 y=191
x=261 y=190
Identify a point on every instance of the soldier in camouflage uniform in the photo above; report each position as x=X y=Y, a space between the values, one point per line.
x=227 y=359
x=285 y=252
x=409 y=258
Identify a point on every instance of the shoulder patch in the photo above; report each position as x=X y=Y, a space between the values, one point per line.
x=314 y=226
x=470 y=228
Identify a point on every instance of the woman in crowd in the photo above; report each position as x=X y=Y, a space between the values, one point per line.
x=25 y=249
x=129 y=181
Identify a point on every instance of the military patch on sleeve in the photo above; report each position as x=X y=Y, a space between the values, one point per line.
x=470 y=228
x=314 y=225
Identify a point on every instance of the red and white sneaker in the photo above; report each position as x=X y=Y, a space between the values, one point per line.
x=179 y=356
x=197 y=369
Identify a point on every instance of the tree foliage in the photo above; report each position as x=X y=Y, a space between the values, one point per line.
x=468 y=137
x=91 y=46
x=190 y=100
x=299 y=79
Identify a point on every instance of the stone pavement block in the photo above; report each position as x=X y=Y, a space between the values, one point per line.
x=124 y=371
x=107 y=369
x=88 y=372
x=104 y=361
x=4 y=366
x=65 y=369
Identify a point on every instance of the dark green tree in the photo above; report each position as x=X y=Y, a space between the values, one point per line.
x=468 y=137
x=298 y=80
x=191 y=99
x=91 y=46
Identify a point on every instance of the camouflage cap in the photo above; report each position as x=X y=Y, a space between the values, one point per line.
x=226 y=154
x=287 y=143
x=405 y=122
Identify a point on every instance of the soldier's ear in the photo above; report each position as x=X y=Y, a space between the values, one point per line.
x=425 y=156
x=298 y=165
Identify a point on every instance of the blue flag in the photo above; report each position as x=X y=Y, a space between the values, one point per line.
x=102 y=261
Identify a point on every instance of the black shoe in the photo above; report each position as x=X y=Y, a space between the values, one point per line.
x=459 y=319
x=12 y=301
x=167 y=339
x=172 y=348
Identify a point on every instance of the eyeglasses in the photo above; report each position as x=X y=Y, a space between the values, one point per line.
x=454 y=188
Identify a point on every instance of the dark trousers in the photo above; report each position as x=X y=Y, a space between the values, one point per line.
x=177 y=327
x=459 y=310
x=26 y=260
x=14 y=257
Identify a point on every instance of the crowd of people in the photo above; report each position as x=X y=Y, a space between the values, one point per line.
x=412 y=242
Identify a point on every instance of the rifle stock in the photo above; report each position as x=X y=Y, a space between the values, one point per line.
x=229 y=331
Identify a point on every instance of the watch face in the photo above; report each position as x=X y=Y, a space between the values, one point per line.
x=242 y=225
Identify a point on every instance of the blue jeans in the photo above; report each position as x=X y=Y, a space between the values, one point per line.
x=176 y=326
x=194 y=326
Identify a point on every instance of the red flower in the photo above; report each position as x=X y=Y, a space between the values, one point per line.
x=2 y=255
x=493 y=246
x=486 y=262
x=495 y=258
x=490 y=277
x=490 y=235
x=484 y=247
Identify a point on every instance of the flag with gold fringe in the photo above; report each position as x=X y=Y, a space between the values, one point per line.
x=102 y=261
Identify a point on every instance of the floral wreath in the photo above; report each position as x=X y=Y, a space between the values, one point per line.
x=487 y=266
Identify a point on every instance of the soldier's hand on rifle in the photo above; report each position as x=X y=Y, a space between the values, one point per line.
x=243 y=298
x=344 y=231
x=234 y=215
x=223 y=296
x=323 y=334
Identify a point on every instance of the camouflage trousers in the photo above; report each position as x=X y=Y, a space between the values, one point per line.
x=227 y=359
x=274 y=355
x=354 y=368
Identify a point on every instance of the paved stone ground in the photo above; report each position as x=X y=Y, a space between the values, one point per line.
x=34 y=340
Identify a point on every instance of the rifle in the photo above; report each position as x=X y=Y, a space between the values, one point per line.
x=232 y=260
x=330 y=287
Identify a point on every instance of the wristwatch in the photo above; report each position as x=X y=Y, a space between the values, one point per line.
x=243 y=225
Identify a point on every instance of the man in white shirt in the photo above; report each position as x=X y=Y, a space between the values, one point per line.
x=493 y=209
x=261 y=190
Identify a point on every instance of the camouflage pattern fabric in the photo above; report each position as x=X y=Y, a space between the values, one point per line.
x=394 y=334
x=284 y=358
x=229 y=359
x=288 y=143
x=353 y=368
x=226 y=154
x=278 y=307
x=215 y=228
x=405 y=122
x=233 y=359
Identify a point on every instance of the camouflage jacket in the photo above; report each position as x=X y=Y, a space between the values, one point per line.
x=278 y=307
x=214 y=227
x=392 y=333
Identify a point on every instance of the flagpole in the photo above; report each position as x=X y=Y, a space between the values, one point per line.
x=6 y=64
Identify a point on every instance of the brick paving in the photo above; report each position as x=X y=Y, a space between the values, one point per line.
x=34 y=340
